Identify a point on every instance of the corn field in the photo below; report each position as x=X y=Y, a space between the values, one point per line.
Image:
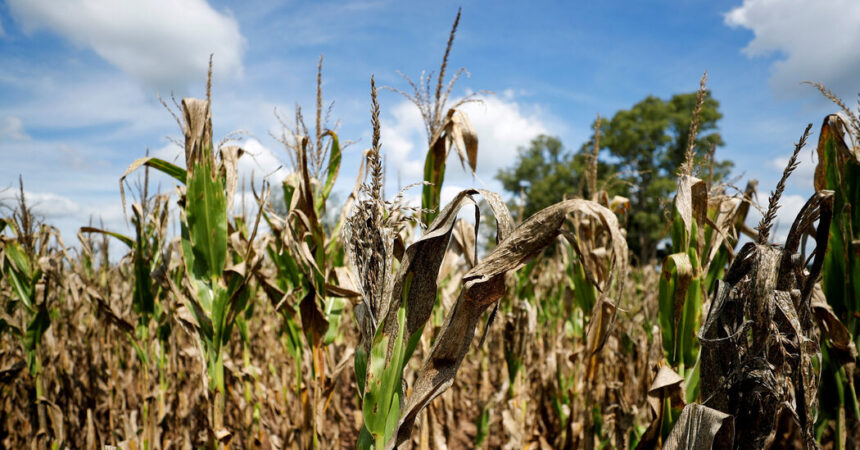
x=395 y=326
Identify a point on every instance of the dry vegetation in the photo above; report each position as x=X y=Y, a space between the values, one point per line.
x=386 y=329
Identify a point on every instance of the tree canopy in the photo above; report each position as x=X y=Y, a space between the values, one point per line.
x=641 y=149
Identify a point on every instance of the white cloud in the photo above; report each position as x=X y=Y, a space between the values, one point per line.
x=44 y=204
x=789 y=206
x=817 y=41
x=163 y=43
x=260 y=161
x=502 y=125
x=403 y=141
x=13 y=128
x=803 y=177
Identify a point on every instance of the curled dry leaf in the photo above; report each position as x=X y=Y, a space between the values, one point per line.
x=701 y=428
x=759 y=342
x=460 y=134
x=483 y=285
x=229 y=169
x=667 y=384
x=198 y=132
x=834 y=330
x=692 y=200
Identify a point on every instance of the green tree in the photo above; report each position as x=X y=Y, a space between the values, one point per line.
x=648 y=141
x=642 y=149
x=546 y=173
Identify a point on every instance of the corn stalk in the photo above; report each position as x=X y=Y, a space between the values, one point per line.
x=149 y=220
x=216 y=289
x=401 y=315
x=760 y=354
x=838 y=171
x=30 y=263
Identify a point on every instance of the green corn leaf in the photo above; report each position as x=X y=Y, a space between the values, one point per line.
x=35 y=329
x=167 y=168
x=21 y=287
x=360 y=368
x=585 y=291
x=333 y=312
x=293 y=336
x=144 y=298
x=434 y=175
x=206 y=218
x=839 y=170
x=142 y=354
x=381 y=405
x=483 y=426
x=120 y=237
x=288 y=269
x=20 y=261
x=333 y=166
x=675 y=281
x=237 y=301
x=374 y=405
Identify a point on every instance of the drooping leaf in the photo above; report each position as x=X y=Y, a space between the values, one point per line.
x=701 y=428
x=206 y=219
x=484 y=284
x=120 y=237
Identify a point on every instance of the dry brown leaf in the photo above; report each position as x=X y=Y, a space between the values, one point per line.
x=767 y=293
x=198 y=132
x=461 y=134
x=229 y=169
x=484 y=285
x=701 y=428
x=691 y=200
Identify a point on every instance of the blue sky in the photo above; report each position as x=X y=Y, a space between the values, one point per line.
x=79 y=82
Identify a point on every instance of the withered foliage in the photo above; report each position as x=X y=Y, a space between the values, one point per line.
x=387 y=330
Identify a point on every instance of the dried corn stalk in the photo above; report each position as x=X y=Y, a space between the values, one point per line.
x=760 y=346
x=483 y=286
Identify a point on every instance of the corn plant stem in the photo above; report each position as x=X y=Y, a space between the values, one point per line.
x=218 y=413
x=319 y=372
x=854 y=402
x=217 y=406
x=39 y=393
x=112 y=369
x=162 y=381
x=246 y=359
x=142 y=389
x=840 y=418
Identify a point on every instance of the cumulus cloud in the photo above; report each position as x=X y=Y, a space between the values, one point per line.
x=502 y=124
x=44 y=204
x=789 y=206
x=162 y=43
x=260 y=161
x=503 y=127
x=802 y=177
x=403 y=140
x=815 y=41
x=12 y=128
